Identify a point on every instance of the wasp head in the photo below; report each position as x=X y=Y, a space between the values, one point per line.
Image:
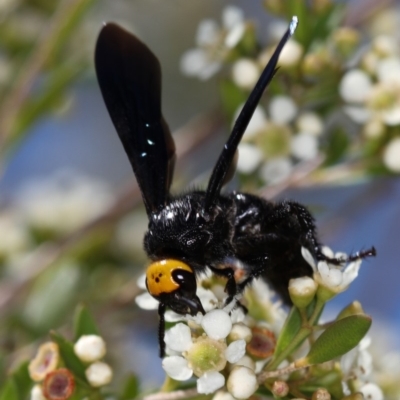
x=173 y=283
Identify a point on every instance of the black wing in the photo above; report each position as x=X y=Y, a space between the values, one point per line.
x=129 y=76
x=223 y=165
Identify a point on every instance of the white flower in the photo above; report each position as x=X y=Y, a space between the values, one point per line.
x=196 y=62
x=357 y=363
x=63 y=202
x=304 y=146
x=282 y=109
x=210 y=382
x=276 y=170
x=204 y=355
x=371 y=391
x=242 y=382
x=250 y=157
x=374 y=128
x=385 y=45
x=14 y=237
x=214 y=44
x=311 y=123
x=291 y=54
x=99 y=374
x=146 y=302
x=276 y=313
x=332 y=279
x=358 y=114
x=90 y=348
x=391 y=155
x=245 y=73
x=355 y=86
x=387 y=71
x=37 y=393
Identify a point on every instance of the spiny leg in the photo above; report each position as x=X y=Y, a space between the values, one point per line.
x=359 y=255
x=161 y=329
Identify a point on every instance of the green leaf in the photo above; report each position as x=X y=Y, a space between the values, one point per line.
x=51 y=296
x=290 y=328
x=339 y=338
x=71 y=361
x=84 y=323
x=22 y=380
x=131 y=388
x=9 y=391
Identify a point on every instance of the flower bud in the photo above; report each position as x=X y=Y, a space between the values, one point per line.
x=302 y=291
x=245 y=73
x=352 y=309
x=240 y=331
x=37 y=393
x=321 y=394
x=99 y=374
x=346 y=40
x=242 y=382
x=246 y=361
x=280 y=389
x=222 y=395
x=374 y=129
x=391 y=155
x=90 y=348
x=291 y=54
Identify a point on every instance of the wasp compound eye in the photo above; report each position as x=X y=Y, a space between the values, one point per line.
x=167 y=276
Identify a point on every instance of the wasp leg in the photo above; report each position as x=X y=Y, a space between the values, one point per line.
x=161 y=329
x=231 y=288
x=359 y=255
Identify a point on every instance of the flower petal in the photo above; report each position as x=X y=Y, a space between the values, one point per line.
x=178 y=338
x=210 y=382
x=235 y=351
x=177 y=368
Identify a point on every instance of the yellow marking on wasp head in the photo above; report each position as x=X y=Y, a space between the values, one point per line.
x=159 y=276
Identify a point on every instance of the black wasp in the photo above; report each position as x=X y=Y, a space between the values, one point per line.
x=237 y=235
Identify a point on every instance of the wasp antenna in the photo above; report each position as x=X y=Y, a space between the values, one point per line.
x=228 y=153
